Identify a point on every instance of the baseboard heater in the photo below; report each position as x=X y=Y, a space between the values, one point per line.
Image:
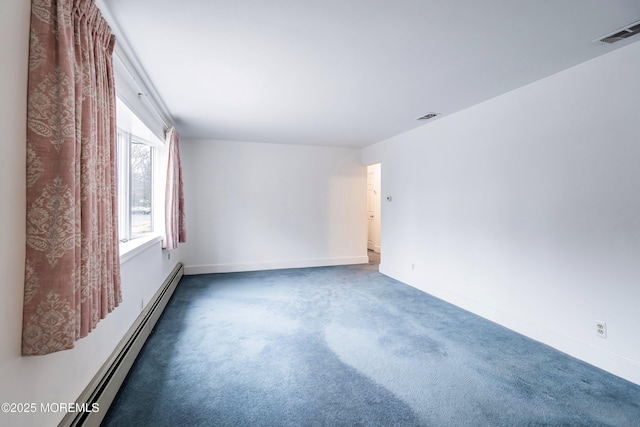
x=105 y=385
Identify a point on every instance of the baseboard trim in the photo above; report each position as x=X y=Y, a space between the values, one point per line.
x=274 y=265
x=105 y=384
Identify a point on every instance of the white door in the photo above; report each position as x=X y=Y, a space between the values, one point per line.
x=377 y=206
x=371 y=238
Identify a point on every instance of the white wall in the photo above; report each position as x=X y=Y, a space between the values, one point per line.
x=254 y=206
x=62 y=376
x=526 y=209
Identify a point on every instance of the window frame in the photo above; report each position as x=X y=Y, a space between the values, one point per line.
x=124 y=143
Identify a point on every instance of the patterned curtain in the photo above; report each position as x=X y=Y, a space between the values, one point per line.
x=72 y=270
x=176 y=231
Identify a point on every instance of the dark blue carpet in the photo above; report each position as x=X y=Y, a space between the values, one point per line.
x=348 y=346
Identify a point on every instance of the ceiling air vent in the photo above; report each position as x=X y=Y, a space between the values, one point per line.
x=622 y=33
x=427 y=116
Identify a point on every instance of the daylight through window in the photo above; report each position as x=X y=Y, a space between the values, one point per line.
x=137 y=148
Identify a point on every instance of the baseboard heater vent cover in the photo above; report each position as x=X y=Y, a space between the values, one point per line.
x=105 y=385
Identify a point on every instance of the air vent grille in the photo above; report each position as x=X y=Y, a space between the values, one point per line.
x=428 y=116
x=622 y=33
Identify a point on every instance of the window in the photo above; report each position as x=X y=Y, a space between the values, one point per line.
x=137 y=158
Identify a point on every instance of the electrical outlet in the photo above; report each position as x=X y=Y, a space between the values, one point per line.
x=601 y=329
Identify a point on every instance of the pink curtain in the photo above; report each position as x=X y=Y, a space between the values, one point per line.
x=174 y=212
x=72 y=270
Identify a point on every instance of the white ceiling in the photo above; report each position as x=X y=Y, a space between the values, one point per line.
x=350 y=72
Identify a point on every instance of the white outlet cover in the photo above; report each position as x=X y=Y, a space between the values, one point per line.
x=601 y=329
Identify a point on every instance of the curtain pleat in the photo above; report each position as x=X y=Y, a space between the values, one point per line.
x=72 y=269
x=176 y=231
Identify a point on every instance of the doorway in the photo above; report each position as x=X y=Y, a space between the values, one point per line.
x=374 y=184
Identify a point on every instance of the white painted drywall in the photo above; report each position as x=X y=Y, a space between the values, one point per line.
x=525 y=209
x=254 y=206
x=62 y=376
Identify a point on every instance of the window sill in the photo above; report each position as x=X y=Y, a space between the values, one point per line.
x=132 y=248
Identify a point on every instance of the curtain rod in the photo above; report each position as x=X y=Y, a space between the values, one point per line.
x=141 y=92
x=123 y=53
